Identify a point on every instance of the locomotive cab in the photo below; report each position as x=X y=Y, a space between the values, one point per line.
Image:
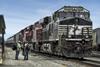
x=71 y=12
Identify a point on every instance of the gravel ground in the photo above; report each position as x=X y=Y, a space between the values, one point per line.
x=38 y=60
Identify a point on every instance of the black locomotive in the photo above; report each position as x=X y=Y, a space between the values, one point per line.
x=68 y=32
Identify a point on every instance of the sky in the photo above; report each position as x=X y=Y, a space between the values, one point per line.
x=19 y=14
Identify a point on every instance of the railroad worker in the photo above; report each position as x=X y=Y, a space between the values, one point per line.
x=26 y=51
x=18 y=45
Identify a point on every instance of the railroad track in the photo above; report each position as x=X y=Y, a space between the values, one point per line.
x=95 y=62
x=70 y=62
x=96 y=54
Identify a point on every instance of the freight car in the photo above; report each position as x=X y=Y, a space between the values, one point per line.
x=68 y=32
x=2 y=32
x=13 y=39
x=96 y=39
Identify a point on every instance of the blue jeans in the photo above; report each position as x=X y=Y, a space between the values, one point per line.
x=26 y=55
x=17 y=54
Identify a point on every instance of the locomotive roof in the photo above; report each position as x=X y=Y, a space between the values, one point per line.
x=2 y=24
x=72 y=9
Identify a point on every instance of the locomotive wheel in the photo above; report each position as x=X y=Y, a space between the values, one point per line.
x=65 y=52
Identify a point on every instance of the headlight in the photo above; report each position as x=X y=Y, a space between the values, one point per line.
x=87 y=36
x=69 y=36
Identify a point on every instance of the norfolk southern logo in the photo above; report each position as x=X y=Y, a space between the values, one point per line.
x=74 y=30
